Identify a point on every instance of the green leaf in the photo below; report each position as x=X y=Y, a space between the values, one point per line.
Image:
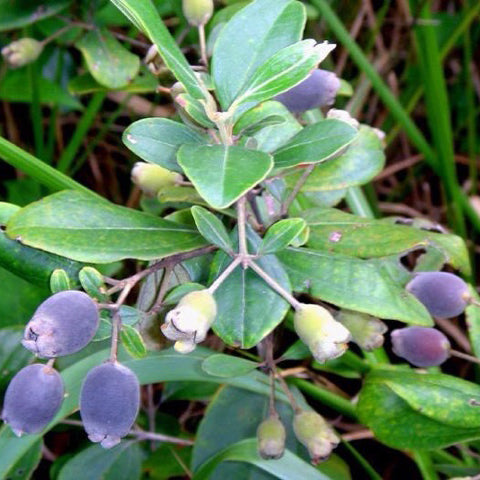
x=232 y=416
x=93 y=284
x=167 y=461
x=156 y=367
x=417 y=410
x=348 y=282
x=340 y=232
x=133 y=342
x=212 y=228
x=59 y=281
x=88 y=229
x=16 y=86
x=248 y=309
x=289 y=467
x=363 y=159
x=472 y=313
x=19 y=14
x=280 y=235
x=13 y=356
x=282 y=71
x=222 y=365
x=108 y=61
x=156 y=140
x=315 y=143
x=143 y=14
x=263 y=115
x=144 y=82
x=249 y=39
x=222 y=174
x=23 y=469
x=272 y=137
x=192 y=111
x=96 y=463
x=28 y=263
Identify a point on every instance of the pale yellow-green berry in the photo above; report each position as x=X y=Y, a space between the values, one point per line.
x=314 y=432
x=202 y=301
x=271 y=437
x=197 y=12
x=189 y=322
x=316 y=327
x=151 y=178
x=367 y=331
x=21 y=52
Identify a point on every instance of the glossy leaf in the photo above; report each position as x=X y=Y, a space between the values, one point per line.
x=192 y=111
x=363 y=159
x=263 y=115
x=221 y=428
x=280 y=235
x=282 y=71
x=93 y=284
x=24 y=468
x=88 y=229
x=315 y=143
x=133 y=342
x=212 y=228
x=28 y=263
x=18 y=14
x=249 y=39
x=97 y=463
x=144 y=15
x=108 y=61
x=156 y=140
x=222 y=174
x=166 y=365
x=341 y=232
x=222 y=365
x=289 y=467
x=13 y=356
x=415 y=410
x=248 y=309
x=348 y=282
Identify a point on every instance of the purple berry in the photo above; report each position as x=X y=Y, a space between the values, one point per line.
x=61 y=325
x=317 y=90
x=421 y=346
x=109 y=403
x=444 y=294
x=32 y=399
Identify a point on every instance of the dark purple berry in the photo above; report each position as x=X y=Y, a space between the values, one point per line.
x=444 y=294
x=421 y=346
x=317 y=90
x=61 y=325
x=32 y=399
x=109 y=403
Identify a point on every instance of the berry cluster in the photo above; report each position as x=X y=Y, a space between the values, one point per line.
x=110 y=396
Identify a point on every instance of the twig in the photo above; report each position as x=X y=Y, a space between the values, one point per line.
x=464 y=356
x=223 y=276
x=300 y=183
x=162 y=290
x=242 y=236
x=203 y=45
x=273 y=283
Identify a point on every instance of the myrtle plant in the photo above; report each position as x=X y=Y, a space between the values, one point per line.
x=239 y=244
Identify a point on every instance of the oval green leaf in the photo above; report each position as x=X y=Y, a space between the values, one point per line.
x=212 y=228
x=222 y=365
x=315 y=143
x=280 y=235
x=222 y=174
x=84 y=228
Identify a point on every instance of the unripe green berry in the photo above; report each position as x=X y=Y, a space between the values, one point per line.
x=367 y=331
x=271 y=437
x=189 y=321
x=316 y=327
x=21 y=52
x=314 y=432
x=197 y=12
x=151 y=178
